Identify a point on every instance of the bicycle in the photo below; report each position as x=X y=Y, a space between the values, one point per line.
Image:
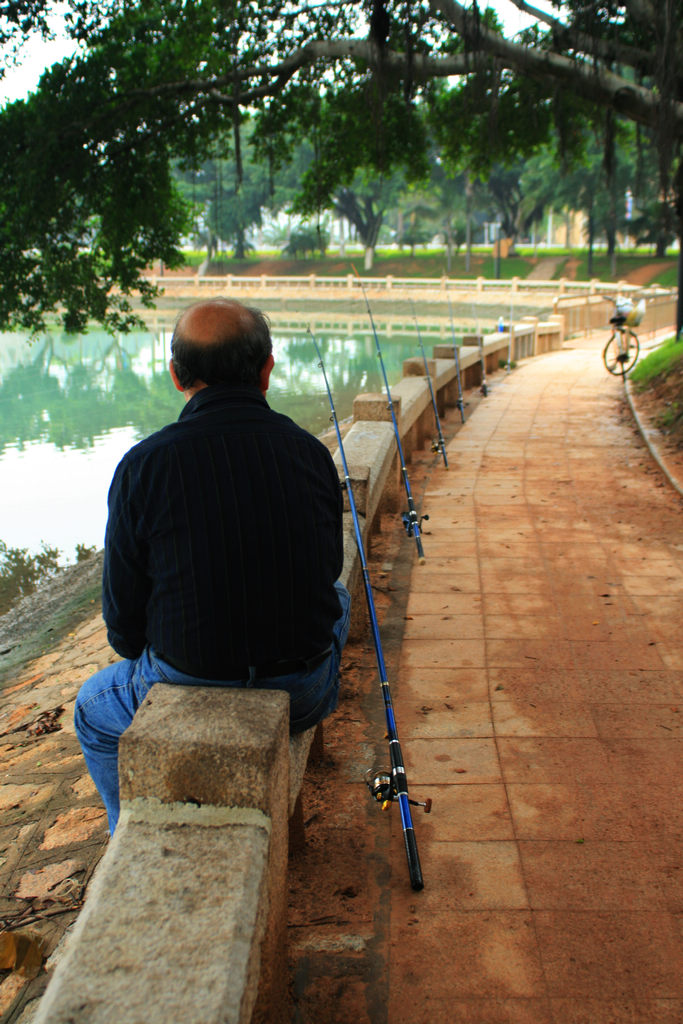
x=621 y=352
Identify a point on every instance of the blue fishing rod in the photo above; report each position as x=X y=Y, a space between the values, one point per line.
x=410 y=518
x=440 y=445
x=385 y=786
x=456 y=353
x=484 y=389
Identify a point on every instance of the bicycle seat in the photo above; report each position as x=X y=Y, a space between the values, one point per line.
x=619 y=320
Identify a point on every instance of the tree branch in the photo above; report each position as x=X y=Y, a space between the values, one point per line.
x=575 y=39
x=601 y=86
x=526 y=8
x=249 y=84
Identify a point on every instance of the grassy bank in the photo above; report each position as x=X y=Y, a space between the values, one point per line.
x=660 y=377
x=432 y=263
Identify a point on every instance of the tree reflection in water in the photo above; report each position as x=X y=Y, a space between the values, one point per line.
x=73 y=390
x=65 y=395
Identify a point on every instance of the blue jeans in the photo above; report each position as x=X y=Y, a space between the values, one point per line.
x=107 y=702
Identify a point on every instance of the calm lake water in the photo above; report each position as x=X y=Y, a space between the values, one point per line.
x=71 y=406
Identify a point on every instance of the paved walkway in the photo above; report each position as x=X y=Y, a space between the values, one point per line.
x=539 y=689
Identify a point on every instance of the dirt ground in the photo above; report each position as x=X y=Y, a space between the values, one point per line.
x=347 y=835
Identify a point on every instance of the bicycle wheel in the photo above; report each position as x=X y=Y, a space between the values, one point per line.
x=634 y=351
x=620 y=352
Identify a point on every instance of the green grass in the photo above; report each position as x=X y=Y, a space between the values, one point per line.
x=626 y=263
x=433 y=263
x=668 y=278
x=657 y=363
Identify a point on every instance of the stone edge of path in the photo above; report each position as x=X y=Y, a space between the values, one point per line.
x=650 y=436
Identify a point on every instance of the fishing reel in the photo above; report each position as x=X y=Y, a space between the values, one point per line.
x=410 y=520
x=436 y=447
x=383 y=789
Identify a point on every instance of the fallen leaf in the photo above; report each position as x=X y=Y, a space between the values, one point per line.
x=21 y=952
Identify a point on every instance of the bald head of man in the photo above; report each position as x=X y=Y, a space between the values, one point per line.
x=220 y=341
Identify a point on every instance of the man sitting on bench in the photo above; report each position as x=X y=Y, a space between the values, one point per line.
x=223 y=546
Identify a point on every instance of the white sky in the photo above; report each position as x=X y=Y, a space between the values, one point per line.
x=39 y=55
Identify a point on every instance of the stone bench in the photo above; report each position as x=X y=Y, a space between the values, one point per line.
x=185 y=918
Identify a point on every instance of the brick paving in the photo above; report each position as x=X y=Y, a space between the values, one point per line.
x=538 y=697
x=539 y=690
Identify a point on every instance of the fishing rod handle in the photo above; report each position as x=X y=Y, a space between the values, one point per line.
x=420 y=550
x=413 y=858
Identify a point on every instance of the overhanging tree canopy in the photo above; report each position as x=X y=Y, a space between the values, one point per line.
x=88 y=200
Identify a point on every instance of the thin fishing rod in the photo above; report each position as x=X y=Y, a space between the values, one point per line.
x=484 y=389
x=410 y=518
x=384 y=787
x=440 y=445
x=511 y=335
x=456 y=353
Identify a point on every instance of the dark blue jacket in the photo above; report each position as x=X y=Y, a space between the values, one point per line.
x=224 y=539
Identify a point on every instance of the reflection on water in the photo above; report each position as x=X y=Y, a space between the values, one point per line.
x=70 y=406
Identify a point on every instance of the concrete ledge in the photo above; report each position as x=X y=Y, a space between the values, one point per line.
x=207 y=745
x=299 y=752
x=370 y=448
x=148 y=928
x=415 y=401
x=205 y=796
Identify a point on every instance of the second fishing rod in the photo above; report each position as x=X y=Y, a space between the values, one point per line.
x=411 y=521
x=456 y=353
x=385 y=785
x=440 y=444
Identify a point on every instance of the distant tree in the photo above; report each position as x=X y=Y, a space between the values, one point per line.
x=227 y=196
x=306 y=240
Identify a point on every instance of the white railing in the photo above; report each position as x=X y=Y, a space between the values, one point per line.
x=388 y=284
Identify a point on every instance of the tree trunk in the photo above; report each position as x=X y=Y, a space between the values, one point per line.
x=612 y=230
x=468 y=223
x=662 y=238
x=678 y=206
x=369 y=257
x=240 y=247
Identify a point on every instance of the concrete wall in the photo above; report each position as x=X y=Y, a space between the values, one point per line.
x=185 y=919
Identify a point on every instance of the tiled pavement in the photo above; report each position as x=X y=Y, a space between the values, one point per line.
x=539 y=689
x=539 y=692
